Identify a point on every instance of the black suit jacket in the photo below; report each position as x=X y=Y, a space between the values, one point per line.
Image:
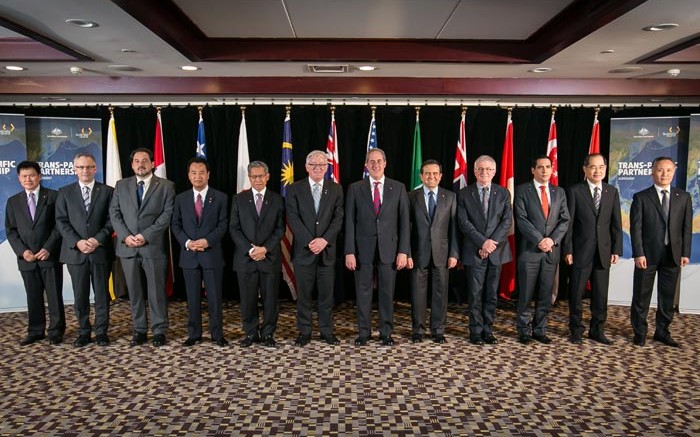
x=212 y=227
x=306 y=224
x=246 y=228
x=436 y=240
x=647 y=225
x=41 y=233
x=476 y=227
x=590 y=235
x=75 y=224
x=365 y=232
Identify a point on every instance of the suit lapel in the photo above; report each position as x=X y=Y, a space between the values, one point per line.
x=41 y=202
x=442 y=205
x=306 y=198
x=422 y=206
x=207 y=202
x=654 y=197
x=366 y=192
x=387 y=195
x=155 y=183
x=535 y=200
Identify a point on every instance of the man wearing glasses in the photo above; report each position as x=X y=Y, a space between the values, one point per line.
x=315 y=215
x=82 y=218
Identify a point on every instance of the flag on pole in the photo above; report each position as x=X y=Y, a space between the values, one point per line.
x=417 y=155
x=113 y=173
x=159 y=165
x=333 y=172
x=242 y=181
x=201 y=151
x=287 y=179
x=371 y=139
x=552 y=150
x=507 y=180
x=459 y=180
x=594 y=147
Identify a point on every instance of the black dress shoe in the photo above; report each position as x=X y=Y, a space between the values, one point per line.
x=192 y=341
x=439 y=339
x=601 y=339
x=249 y=340
x=576 y=339
x=138 y=339
x=524 y=339
x=221 y=342
x=417 y=338
x=639 y=340
x=158 y=340
x=667 y=340
x=542 y=339
x=490 y=339
x=55 y=339
x=302 y=340
x=330 y=339
x=269 y=341
x=361 y=341
x=102 y=340
x=30 y=339
x=387 y=341
x=82 y=340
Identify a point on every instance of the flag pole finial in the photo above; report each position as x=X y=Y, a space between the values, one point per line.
x=199 y=109
x=417 y=112
x=464 y=111
x=332 y=110
x=374 y=111
x=597 y=110
x=287 y=110
x=510 y=111
x=158 y=109
x=554 y=110
x=111 y=111
x=243 y=111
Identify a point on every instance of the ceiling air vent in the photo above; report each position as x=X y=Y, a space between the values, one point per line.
x=332 y=68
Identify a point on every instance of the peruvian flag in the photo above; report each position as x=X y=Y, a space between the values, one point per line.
x=507 y=180
x=459 y=179
x=159 y=170
x=552 y=151
x=595 y=135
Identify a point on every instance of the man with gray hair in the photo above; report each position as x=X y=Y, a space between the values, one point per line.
x=315 y=215
x=485 y=217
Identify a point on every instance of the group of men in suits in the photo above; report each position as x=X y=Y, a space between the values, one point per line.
x=386 y=230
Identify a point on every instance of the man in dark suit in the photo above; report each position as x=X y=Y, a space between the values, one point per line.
x=200 y=219
x=377 y=237
x=542 y=218
x=485 y=219
x=661 y=230
x=82 y=217
x=31 y=230
x=256 y=227
x=315 y=215
x=593 y=242
x=141 y=208
x=434 y=250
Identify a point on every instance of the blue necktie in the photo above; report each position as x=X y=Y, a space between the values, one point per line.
x=139 y=192
x=431 y=205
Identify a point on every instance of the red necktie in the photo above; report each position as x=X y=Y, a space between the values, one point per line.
x=198 y=207
x=545 y=201
x=377 y=198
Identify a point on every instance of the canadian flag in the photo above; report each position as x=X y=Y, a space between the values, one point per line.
x=158 y=151
x=595 y=135
x=552 y=151
x=507 y=180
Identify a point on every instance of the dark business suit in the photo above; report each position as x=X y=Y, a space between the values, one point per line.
x=483 y=275
x=247 y=229
x=76 y=224
x=432 y=243
x=648 y=229
x=593 y=237
x=537 y=268
x=23 y=233
x=314 y=270
x=375 y=240
x=150 y=220
x=208 y=264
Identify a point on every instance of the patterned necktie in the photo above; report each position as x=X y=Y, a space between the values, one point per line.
x=596 y=199
x=32 y=205
x=665 y=208
x=431 y=205
x=377 y=199
x=545 y=201
x=86 y=197
x=198 y=207
x=139 y=192
x=258 y=203
x=316 y=193
x=485 y=200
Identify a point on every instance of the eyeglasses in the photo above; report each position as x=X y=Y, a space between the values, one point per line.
x=485 y=169
x=257 y=176
x=84 y=167
x=596 y=167
x=317 y=166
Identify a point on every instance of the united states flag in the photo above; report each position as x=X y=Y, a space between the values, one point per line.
x=371 y=140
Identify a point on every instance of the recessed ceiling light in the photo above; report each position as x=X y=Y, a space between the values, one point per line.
x=540 y=70
x=56 y=99
x=122 y=67
x=366 y=68
x=85 y=24
x=625 y=70
x=660 y=27
x=607 y=52
x=189 y=68
x=14 y=68
x=128 y=51
x=656 y=100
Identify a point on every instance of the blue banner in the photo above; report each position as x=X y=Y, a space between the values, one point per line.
x=13 y=150
x=693 y=185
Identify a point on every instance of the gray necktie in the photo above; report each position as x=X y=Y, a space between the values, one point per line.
x=596 y=199
x=485 y=200
x=258 y=203
x=316 y=193
x=665 y=209
x=86 y=197
x=32 y=205
x=431 y=205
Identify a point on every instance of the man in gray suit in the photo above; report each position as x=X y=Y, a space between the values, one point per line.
x=485 y=219
x=141 y=208
x=542 y=218
x=315 y=215
x=377 y=237
x=433 y=250
x=82 y=217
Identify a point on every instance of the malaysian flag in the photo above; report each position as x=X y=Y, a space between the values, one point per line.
x=371 y=139
x=201 y=151
x=287 y=179
x=459 y=180
x=333 y=172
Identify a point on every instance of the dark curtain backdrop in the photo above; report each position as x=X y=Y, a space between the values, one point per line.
x=310 y=124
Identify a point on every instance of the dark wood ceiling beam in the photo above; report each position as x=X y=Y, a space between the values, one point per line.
x=60 y=52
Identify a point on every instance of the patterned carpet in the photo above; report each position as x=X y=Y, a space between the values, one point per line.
x=409 y=389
